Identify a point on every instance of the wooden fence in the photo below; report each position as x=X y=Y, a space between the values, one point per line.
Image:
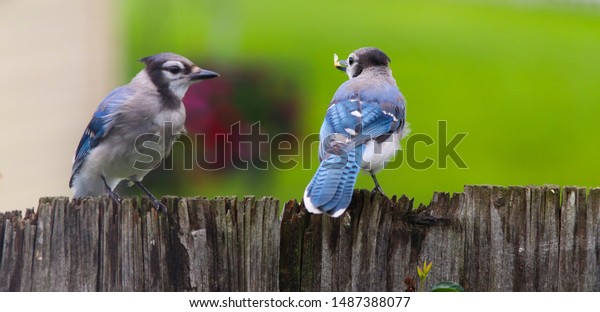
x=488 y=238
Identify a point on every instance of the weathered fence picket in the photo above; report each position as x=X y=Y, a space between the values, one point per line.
x=488 y=238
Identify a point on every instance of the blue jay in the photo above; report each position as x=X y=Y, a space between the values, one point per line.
x=109 y=150
x=362 y=130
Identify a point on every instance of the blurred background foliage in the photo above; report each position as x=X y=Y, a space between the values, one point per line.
x=520 y=77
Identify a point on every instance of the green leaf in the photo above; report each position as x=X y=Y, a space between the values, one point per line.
x=427 y=267
x=447 y=286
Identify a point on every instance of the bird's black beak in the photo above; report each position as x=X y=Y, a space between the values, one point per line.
x=339 y=64
x=203 y=74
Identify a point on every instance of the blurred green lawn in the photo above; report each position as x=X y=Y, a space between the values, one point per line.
x=522 y=79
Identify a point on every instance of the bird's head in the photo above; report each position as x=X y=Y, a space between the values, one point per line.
x=361 y=60
x=169 y=70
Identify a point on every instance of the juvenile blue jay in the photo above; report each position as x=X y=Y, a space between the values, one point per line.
x=109 y=150
x=362 y=130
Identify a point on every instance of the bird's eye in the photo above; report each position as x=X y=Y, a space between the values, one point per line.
x=350 y=60
x=174 y=70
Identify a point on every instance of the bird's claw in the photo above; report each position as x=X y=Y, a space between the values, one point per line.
x=115 y=198
x=112 y=194
x=378 y=189
x=159 y=206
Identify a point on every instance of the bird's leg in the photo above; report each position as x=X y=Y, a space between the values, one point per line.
x=377 y=186
x=157 y=204
x=112 y=194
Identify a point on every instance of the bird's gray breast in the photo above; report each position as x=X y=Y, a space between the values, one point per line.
x=168 y=125
x=144 y=139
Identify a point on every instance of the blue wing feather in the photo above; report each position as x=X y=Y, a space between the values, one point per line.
x=368 y=120
x=99 y=126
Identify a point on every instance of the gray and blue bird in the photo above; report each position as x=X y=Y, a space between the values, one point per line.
x=133 y=118
x=362 y=130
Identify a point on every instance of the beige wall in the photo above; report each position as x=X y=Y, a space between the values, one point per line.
x=57 y=61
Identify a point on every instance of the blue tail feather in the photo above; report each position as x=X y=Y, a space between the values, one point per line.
x=331 y=188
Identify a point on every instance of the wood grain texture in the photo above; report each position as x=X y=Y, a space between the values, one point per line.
x=488 y=238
